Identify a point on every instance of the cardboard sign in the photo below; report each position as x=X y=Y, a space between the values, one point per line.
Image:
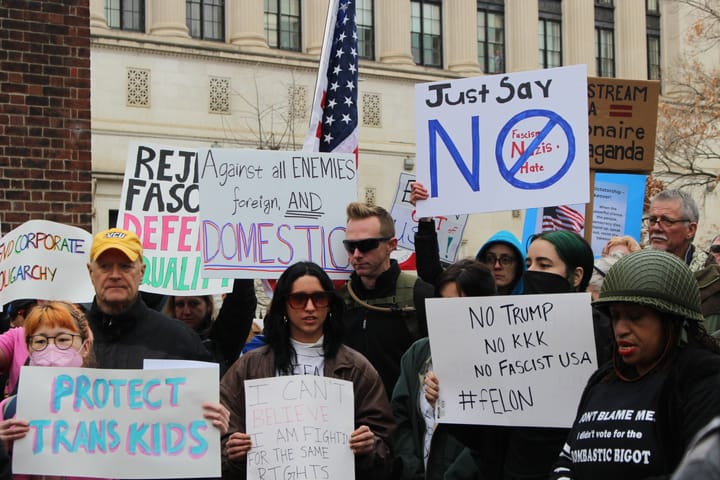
x=300 y=427
x=117 y=423
x=45 y=260
x=450 y=228
x=519 y=360
x=262 y=211
x=622 y=116
x=503 y=142
x=160 y=203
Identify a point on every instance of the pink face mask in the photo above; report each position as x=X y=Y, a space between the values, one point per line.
x=54 y=357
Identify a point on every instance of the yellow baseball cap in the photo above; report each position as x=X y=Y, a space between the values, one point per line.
x=119 y=239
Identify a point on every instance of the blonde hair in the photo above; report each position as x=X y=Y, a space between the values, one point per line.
x=625 y=240
x=359 y=211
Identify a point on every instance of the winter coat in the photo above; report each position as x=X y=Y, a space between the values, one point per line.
x=383 y=337
x=371 y=405
x=448 y=458
x=125 y=340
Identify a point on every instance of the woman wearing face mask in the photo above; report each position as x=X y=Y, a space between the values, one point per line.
x=224 y=336
x=58 y=335
x=425 y=449
x=661 y=386
x=303 y=334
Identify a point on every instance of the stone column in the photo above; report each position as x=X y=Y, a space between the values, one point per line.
x=578 y=37
x=314 y=13
x=630 y=35
x=521 y=35
x=97 y=14
x=246 y=24
x=459 y=29
x=167 y=18
x=392 y=32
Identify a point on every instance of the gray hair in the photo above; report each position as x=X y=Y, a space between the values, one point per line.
x=688 y=209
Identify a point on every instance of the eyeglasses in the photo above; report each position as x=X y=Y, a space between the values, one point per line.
x=715 y=248
x=298 y=301
x=365 y=245
x=491 y=259
x=188 y=303
x=664 y=221
x=63 y=341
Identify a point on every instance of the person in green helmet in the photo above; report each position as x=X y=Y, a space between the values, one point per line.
x=641 y=409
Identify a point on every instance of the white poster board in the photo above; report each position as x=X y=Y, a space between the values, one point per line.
x=45 y=260
x=262 y=211
x=503 y=142
x=449 y=228
x=160 y=203
x=117 y=423
x=519 y=360
x=300 y=427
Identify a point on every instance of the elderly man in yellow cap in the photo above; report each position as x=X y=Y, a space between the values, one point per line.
x=126 y=330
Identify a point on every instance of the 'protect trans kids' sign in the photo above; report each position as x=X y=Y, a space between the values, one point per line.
x=117 y=423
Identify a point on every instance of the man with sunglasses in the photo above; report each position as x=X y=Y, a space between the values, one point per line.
x=385 y=306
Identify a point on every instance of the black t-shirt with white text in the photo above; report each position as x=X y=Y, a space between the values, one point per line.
x=615 y=435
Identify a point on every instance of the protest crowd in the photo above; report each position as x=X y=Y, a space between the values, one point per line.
x=549 y=357
x=650 y=410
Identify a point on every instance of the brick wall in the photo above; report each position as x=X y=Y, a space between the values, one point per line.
x=45 y=161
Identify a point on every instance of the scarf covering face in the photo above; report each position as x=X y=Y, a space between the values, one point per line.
x=544 y=282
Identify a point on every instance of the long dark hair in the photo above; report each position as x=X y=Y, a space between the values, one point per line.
x=276 y=329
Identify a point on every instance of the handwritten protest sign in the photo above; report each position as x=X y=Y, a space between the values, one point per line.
x=511 y=360
x=264 y=210
x=449 y=228
x=117 y=423
x=300 y=427
x=160 y=203
x=45 y=260
x=503 y=142
x=623 y=120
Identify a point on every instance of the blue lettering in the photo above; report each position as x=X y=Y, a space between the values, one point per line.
x=472 y=177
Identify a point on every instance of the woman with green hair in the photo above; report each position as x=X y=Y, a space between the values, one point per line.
x=558 y=262
x=639 y=411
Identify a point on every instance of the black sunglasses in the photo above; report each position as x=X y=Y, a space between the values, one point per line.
x=299 y=300
x=715 y=248
x=365 y=245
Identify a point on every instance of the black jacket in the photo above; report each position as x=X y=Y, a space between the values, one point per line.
x=225 y=336
x=384 y=337
x=125 y=340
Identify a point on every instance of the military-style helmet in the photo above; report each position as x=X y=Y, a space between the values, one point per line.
x=655 y=279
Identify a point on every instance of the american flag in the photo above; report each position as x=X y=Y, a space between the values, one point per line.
x=562 y=217
x=334 y=117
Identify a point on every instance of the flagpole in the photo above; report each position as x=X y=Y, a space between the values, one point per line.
x=311 y=143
